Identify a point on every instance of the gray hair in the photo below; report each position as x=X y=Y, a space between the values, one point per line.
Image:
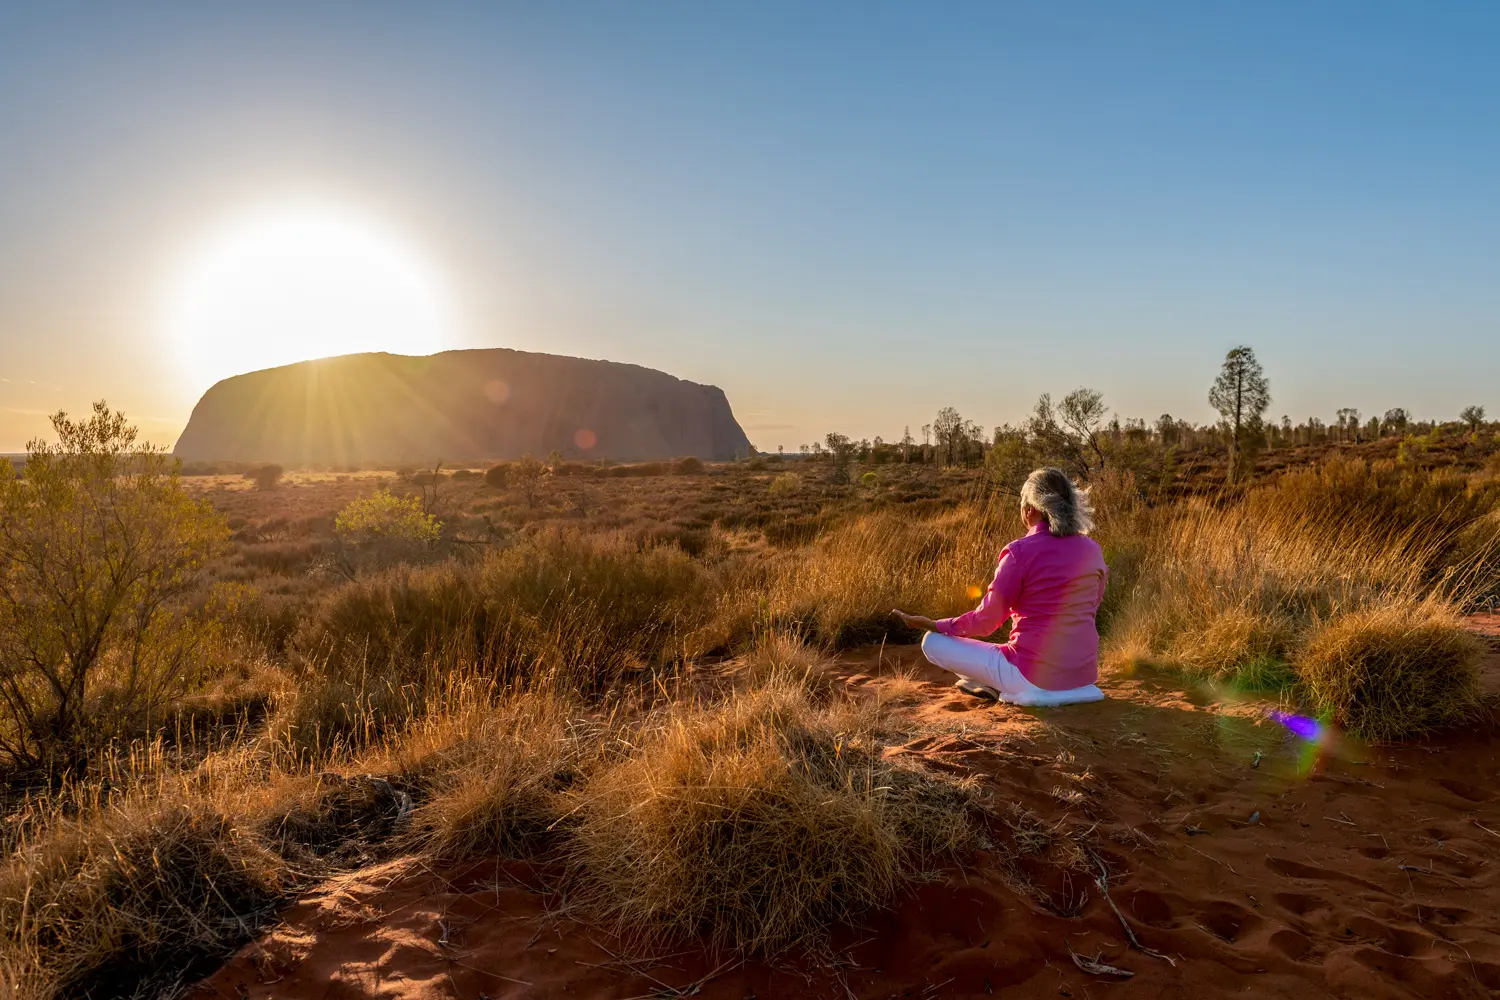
x=1052 y=494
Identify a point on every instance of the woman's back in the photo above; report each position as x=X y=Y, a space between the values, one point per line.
x=1054 y=640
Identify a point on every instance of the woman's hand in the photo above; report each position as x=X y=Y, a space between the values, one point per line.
x=916 y=621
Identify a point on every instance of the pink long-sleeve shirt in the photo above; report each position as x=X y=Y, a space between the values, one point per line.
x=1050 y=588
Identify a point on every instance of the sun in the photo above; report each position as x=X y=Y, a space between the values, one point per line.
x=302 y=282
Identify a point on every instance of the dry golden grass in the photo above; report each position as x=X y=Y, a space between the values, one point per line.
x=1346 y=581
x=1393 y=670
x=109 y=896
x=530 y=702
x=757 y=823
x=579 y=607
x=780 y=658
x=840 y=590
x=498 y=776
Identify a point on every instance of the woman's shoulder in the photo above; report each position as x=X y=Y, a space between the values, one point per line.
x=1075 y=543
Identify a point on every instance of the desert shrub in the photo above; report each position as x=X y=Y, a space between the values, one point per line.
x=869 y=479
x=382 y=528
x=495 y=476
x=266 y=477
x=688 y=466
x=497 y=776
x=98 y=545
x=122 y=904
x=582 y=607
x=757 y=823
x=1392 y=671
x=785 y=484
x=526 y=474
x=640 y=469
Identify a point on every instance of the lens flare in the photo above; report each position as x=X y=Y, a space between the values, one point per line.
x=1316 y=736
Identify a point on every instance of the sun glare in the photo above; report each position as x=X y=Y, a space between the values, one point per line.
x=303 y=283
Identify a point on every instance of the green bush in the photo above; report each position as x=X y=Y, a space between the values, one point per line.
x=98 y=545
x=381 y=528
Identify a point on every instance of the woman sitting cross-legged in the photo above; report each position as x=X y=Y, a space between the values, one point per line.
x=1049 y=585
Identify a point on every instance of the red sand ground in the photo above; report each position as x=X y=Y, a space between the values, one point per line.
x=1340 y=870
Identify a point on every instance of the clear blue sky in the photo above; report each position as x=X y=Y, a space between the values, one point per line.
x=846 y=215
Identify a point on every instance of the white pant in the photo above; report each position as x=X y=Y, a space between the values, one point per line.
x=983 y=663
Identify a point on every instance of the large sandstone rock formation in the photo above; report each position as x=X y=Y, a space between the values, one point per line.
x=458 y=406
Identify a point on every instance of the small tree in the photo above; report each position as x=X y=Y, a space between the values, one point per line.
x=382 y=528
x=431 y=485
x=947 y=430
x=1166 y=430
x=1395 y=420
x=842 y=449
x=97 y=543
x=527 y=475
x=1082 y=412
x=1241 y=394
x=1472 y=416
x=267 y=477
x=1009 y=460
x=1075 y=440
x=1347 y=417
x=495 y=476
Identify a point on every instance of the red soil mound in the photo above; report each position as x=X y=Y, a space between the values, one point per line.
x=1245 y=858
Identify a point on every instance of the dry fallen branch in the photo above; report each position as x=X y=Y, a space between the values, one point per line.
x=1102 y=881
x=1094 y=967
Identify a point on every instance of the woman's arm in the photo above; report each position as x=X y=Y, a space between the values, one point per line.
x=995 y=608
x=916 y=621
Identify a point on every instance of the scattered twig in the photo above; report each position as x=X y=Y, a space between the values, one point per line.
x=1428 y=871
x=1212 y=858
x=1486 y=829
x=1335 y=819
x=1094 y=967
x=1102 y=881
x=486 y=972
x=692 y=989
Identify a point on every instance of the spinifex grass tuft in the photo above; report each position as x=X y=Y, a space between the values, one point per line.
x=1395 y=670
x=757 y=824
